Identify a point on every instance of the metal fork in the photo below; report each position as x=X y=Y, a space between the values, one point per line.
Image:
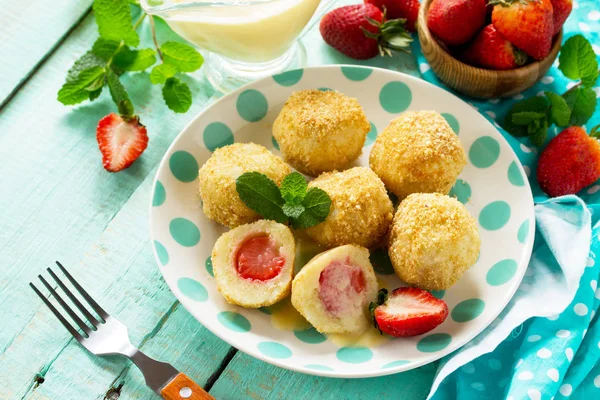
x=107 y=336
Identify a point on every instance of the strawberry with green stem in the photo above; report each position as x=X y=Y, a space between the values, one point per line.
x=493 y=51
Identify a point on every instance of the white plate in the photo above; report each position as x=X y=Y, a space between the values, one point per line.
x=493 y=187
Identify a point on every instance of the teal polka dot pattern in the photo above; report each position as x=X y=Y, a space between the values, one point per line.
x=438 y=293
x=452 y=121
x=356 y=73
x=381 y=262
x=161 y=252
x=514 y=175
x=209 y=267
x=433 y=343
x=461 y=191
x=467 y=310
x=372 y=135
x=184 y=232
x=325 y=89
x=484 y=152
x=234 y=321
x=395 y=97
x=354 y=355
x=275 y=144
x=274 y=350
x=311 y=336
x=394 y=364
x=494 y=216
x=193 y=289
x=160 y=195
x=217 y=134
x=501 y=272
x=523 y=231
x=184 y=166
x=265 y=310
x=289 y=78
x=252 y=105
x=318 y=367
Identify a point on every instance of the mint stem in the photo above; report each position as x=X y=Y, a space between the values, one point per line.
x=135 y=26
x=153 y=28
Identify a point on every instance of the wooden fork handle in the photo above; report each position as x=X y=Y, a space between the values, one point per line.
x=183 y=388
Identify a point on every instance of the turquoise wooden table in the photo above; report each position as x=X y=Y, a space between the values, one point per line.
x=58 y=203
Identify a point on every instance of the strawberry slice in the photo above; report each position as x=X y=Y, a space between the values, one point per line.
x=121 y=141
x=407 y=311
x=341 y=287
x=258 y=259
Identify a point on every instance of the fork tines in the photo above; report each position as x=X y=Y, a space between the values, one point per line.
x=91 y=319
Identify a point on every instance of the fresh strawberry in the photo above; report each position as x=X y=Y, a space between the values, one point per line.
x=258 y=259
x=456 y=22
x=407 y=9
x=491 y=50
x=121 y=142
x=561 y=10
x=527 y=24
x=361 y=32
x=570 y=162
x=407 y=311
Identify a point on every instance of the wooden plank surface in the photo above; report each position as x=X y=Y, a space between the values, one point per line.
x=28 y=31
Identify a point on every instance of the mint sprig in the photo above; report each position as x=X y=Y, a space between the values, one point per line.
x=291 y=203
x=533 y=116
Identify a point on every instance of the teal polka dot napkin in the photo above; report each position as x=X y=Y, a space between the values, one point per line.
x=546 y=343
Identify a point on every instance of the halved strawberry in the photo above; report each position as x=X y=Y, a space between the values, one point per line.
x=407 y=311
x=258 y=258
x=121 y=141
x=340 y=284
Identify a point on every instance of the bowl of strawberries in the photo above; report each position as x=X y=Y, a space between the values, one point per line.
x=491 y=48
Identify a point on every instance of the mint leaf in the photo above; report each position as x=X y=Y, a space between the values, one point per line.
x=536 y=104
x=119 y=95
x=104 y=49
x=293 y=210
x=316 y=208
x=161 y=73
x=538 y=135
x=134 y=60
x=560 y=111
x=577 y=60
x=114 y=21
x=182 y=56
x=85 y=62
x=582 y=102
x=96 y=84
x=177 y=95
x=293 y=188
x=74 y=91
x=526 y=117
x=95 y=94
x=262 y=195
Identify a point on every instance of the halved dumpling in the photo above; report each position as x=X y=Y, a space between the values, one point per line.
x=253 y=263
x=334 y=289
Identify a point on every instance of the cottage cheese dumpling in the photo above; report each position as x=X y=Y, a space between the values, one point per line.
x=418 y=153
x=361 y=211
x=320 y=131
x=434 y=240
x=253 y=263
x=334 y=289
x=217 y=177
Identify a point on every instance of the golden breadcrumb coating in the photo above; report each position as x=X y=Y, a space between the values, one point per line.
x=320 y=131
x=434 y=240
x=217 y=177
x=418 y=153
x=361 y=211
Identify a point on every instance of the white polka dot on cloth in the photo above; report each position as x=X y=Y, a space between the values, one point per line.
x=533 y=338
x=583 y=333
x=566 y=389
x=552 y=317
x=580 y=309
x=544 y=353
x=593 y=190
x=534 y=394
x=494 y=101
x=424 y=67
x=491 y=114
x=547 y=79
x=569 y=353
x=594 y=284
x=584 y=27
x=519 y=363
x=592 y=314
x=478 y=386
x=594 y=15
x=597 y=381
x=525 y=376
x=553 y=374
x=563 y=333
x=597 y=293
x=468 y=368
x=527 y=170
x=590 y=262
x=495 y=364
x=596 y=49
x=510 y=398
x=571 y=84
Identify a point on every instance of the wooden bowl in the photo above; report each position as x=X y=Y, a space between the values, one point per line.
x=478 y=82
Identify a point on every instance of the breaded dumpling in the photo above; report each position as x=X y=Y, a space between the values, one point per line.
x=334 y=289
x=217 y=177
x=320 y=131
x=434 y=240
x=253 y=264
x=361 y=210
x=418 y=153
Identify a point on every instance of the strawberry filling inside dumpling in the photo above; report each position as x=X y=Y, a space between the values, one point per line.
x=258 y=258
x=341 y=287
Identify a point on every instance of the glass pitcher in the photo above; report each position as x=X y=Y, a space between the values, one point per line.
x=243 y=40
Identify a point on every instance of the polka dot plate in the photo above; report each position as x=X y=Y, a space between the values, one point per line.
x=493 y=186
